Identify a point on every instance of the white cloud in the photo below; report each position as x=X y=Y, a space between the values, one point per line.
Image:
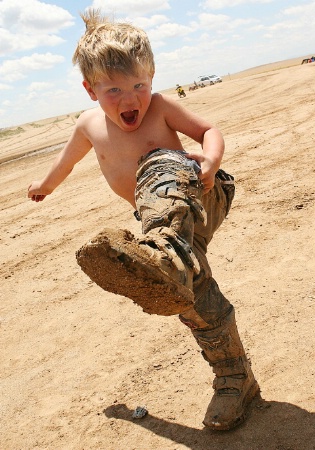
x=169 y=30
x=29 y=24
x=305 y=11
x=148 y=22
x=293 y=26
x=17 y=69
x=220 y=4
x=12 y=42
x=222 y=24
x=39 y=86
x=5 y=87
x=33 y=16
x=213 y=21
x=132 y=7
x=48 y=103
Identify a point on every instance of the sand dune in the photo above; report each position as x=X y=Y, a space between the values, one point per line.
x=76 y=361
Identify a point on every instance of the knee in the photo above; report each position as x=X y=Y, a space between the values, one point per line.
x=210 y=304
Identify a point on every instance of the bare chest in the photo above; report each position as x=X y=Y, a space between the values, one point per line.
x=119 y=148
x=118 y=152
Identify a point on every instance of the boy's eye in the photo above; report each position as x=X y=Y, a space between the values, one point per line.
x=114 y=90
x=138 y=85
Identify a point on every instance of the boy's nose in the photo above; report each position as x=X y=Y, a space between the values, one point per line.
x=129 y=99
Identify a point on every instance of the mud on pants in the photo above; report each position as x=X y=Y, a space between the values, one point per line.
x=169 y=200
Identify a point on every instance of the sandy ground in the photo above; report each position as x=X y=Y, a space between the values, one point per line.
x=76 y=361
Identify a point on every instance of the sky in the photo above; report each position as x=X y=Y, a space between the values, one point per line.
x=189 y=39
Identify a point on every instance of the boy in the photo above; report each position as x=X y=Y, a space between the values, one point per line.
x=181 y=199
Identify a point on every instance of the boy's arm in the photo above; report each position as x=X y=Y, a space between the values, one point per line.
x=211 y=157
x=186 y=122
x=75 y=149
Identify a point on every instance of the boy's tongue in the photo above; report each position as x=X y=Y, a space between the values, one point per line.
x=129 y=116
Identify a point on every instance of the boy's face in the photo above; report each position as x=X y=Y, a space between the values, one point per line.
x=124 y=99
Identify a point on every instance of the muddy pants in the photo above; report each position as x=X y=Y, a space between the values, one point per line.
x=164 y=199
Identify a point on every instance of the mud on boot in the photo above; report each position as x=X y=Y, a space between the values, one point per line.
x=232 y=396
x=234 y=384
x=147 y=270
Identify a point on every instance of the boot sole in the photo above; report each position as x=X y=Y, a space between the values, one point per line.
x=115 y=262
x=253 y=391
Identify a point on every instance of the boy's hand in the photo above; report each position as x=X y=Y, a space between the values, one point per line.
x=207 y=172
x=35 y=192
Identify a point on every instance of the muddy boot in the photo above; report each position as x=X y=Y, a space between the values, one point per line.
x=155 y=270
x=148 y=271
x=234 y=385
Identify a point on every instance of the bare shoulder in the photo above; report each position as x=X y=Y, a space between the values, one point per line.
x=180 y=118
x=164 y=103
x=90 y=123
x=88 y=115
x=158 y=98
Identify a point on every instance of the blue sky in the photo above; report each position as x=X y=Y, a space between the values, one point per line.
x=189 y=39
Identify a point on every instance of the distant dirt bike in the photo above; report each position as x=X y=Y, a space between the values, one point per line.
x=180 y=92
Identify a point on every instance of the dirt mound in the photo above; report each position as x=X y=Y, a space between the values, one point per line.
x=76 y=361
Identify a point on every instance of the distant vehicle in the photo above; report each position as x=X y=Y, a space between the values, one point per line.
x=180 y=91
x=308 y=60
x=210 y=79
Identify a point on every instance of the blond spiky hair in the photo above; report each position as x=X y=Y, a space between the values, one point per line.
x=108 y=47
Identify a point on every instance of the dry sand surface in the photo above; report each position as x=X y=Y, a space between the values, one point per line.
x=76 y=361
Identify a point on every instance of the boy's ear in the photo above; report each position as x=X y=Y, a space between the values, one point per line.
x=89 y=90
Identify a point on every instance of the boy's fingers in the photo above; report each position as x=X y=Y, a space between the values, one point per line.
x=196 y=156
x=37 y=198
x=207 y=187
x=207 y=182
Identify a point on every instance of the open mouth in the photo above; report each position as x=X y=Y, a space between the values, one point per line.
x=130 y=117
